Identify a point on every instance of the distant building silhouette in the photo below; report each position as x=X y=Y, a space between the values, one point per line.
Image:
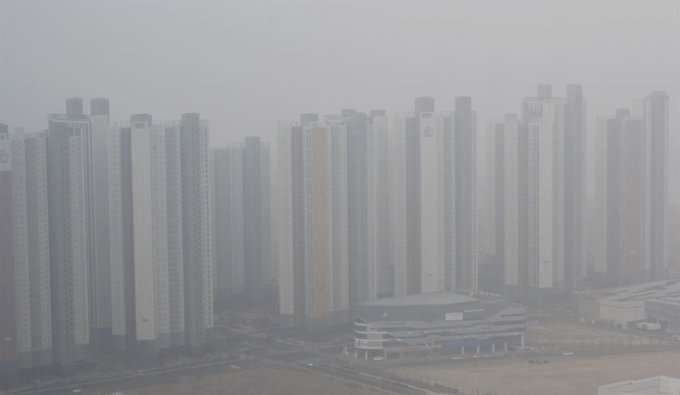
x=256 y=218
x=656 y=122
x=631 y=193
x=229 y=277
x=99 y=267
x=9 y=359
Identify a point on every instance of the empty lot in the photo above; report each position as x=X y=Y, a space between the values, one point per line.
x=566 y=375
x=256 y=381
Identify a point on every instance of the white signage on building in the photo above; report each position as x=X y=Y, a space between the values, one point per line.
x=454 y=316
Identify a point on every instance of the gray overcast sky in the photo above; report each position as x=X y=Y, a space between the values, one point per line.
x=246 y=65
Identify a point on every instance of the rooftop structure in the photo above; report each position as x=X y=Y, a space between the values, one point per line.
x=624 y=305
x=431 y=299
x=659 y=385
x=666 y=290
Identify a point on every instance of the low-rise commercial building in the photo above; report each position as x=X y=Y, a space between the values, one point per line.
x=438 y=321
x=666 y=312
x=624 y=305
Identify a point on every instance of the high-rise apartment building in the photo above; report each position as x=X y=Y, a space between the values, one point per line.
x=173 y=182
x=256 y=218
x=546 y=216
x=8 y=314
x=293 y=291
x=31 y=249
x=196 y=229
x=379 y=162
x=325 y=222
x=368 y=206
x=404 y=221
x=229 y=276
x=504 y=206
x=94 y=151
x=464 y=195
x=535 y=265
x=432 y=175
x=575 y=268
x=68 y=238
x=362 y=265
x=622 y=250
x=535 y=176
x=490 y=199
x=655 y=118
x=266 y=216
x=146 y=261
x=122 y=238
x=99 y=268
x=242 y=220
x=631 y=192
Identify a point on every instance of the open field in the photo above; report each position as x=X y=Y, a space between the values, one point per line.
x=257 y=381
x=565 y=375
x=563 y=335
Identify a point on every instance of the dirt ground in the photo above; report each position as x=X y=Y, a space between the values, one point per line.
x=565 y=375
x=560 y=335
x=258 y=381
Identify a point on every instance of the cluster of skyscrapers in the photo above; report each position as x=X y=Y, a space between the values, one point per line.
x=121 y=237
x=537 y=195
x=370 y=207
x=535 y=230
x=242 y=220
x=365 y=210
x=109 y=238
x=632 y=192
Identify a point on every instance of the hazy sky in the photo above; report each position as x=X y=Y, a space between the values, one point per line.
x=246 y=65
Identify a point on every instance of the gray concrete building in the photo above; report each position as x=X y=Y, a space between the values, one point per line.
x=622 y=249
x=465 y=189
x=292 y=284
x=655 y=117
x=229 y=276
x=196 y=229
x=74 y=107
x=256 y=218
x=9 y=359
x=122 y=259
x=378 y=126
x=575 y=268
x=31 y=249
x=99 y=268
x=68 y=237
x=362 y=268
x=368 y=206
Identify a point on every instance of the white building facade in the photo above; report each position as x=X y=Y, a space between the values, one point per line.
x=433 y=199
